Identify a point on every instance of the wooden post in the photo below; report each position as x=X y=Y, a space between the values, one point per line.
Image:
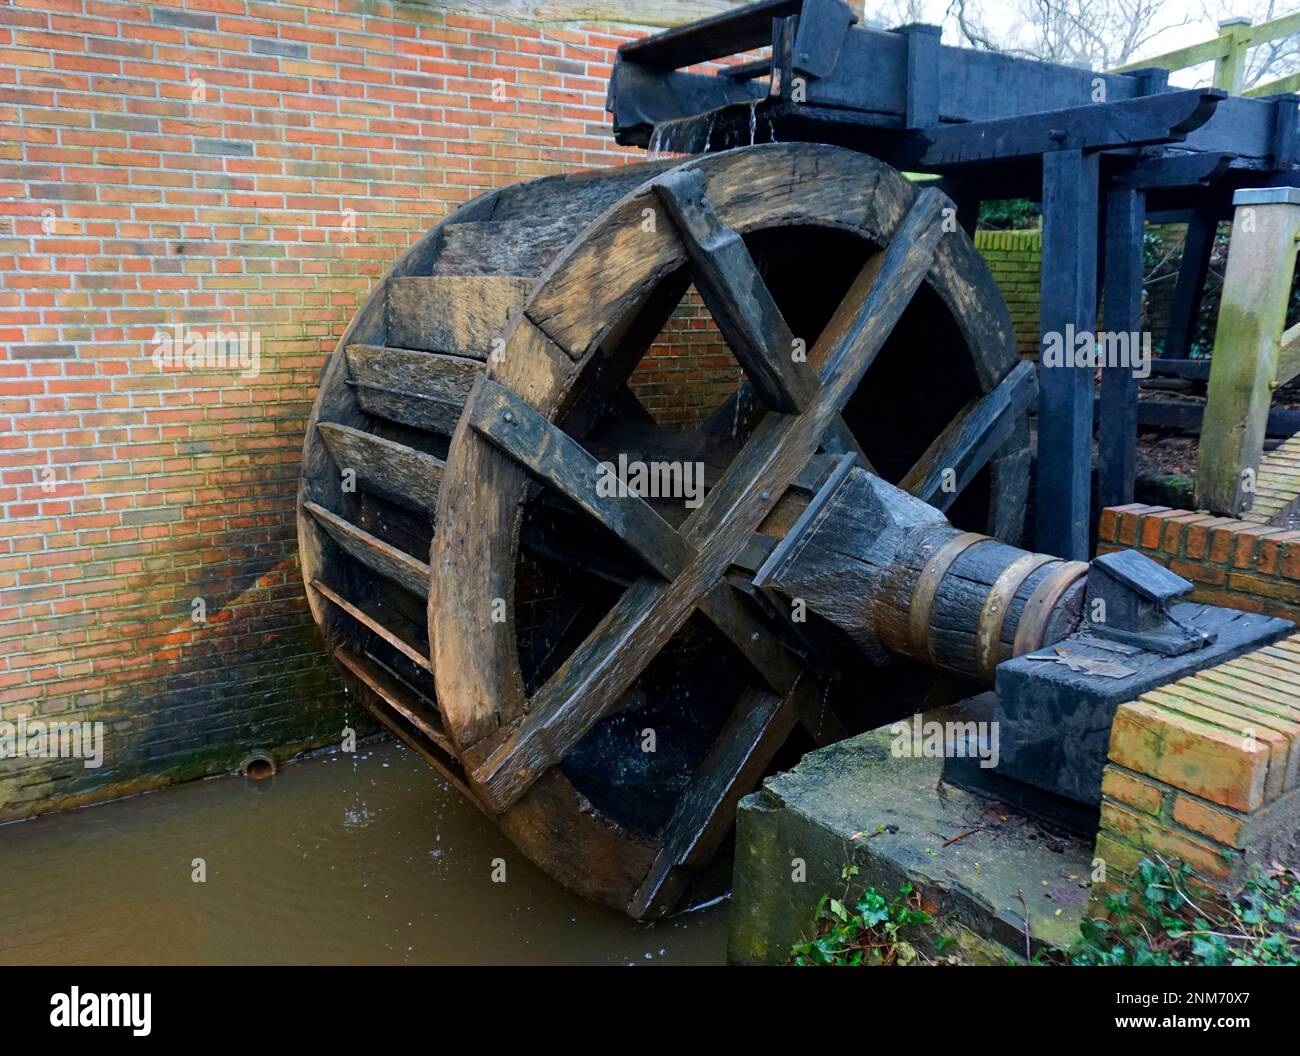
x=1122 y=307
x=1248 y=346
x=1197 y=247
x=1230 y=66
x=1069 y=280
x=922 y=82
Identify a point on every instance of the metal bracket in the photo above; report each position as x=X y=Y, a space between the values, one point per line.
x=1128 y=601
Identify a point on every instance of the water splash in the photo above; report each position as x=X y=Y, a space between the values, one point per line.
x=753 y=120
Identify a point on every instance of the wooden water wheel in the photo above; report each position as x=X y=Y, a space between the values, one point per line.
x=598 y=672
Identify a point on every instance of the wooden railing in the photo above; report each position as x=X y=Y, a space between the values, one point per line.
x=1228 y=53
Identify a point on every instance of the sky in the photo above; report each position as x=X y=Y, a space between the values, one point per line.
x=1202 y=17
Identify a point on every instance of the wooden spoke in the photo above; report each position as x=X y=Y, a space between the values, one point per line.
x=736 y=295
x=970 y=440
x=586 y=685
x=511 y=423
x=704 y=812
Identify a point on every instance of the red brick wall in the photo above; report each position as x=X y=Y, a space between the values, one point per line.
x=253 y=166
x=1237 y=564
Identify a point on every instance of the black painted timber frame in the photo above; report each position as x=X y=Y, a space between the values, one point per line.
x=1103 y=152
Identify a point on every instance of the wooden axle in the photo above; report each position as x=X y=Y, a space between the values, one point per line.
x=898 y=579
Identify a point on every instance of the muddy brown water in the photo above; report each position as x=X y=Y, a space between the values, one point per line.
x=368 y=858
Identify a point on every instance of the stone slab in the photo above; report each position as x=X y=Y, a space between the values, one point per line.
x=897 y=820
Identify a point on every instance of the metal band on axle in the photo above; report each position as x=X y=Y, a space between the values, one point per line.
x=993 y=615
x=927 y=586
x=1042 y=604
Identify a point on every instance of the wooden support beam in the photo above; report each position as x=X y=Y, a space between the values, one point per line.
x=1197 y=247
x=727 y=33
x=922 y=84
x=403 y=699
x=1288 y=357
x=970 y=440
x=510 y=422
x=1122 y=313
x=1162 y=118
x=1069 y=304
x=1248 y=343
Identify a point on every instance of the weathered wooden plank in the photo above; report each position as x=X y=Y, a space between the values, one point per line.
x=456 y=314
x=733 y=614
x=1288 y=356
x=1125 y=123
x=373 y=552
x=736 y=295
x=727 y=33
x=1247 y=347
x=970 y=440
x=422 y=389
x=548 y=452
x=510 y=248
x=400 y=473
x=1236 y=711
